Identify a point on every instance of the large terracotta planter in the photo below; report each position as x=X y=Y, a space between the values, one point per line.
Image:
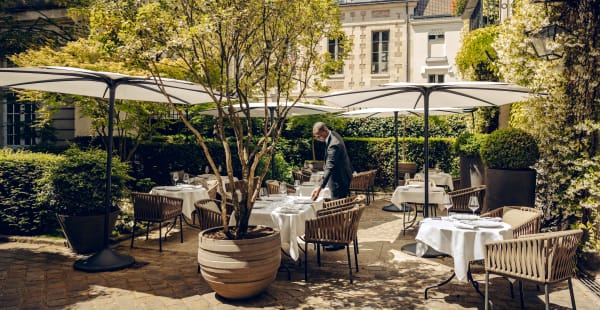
x=238 y=269
x=85 y=234
x=509 y=188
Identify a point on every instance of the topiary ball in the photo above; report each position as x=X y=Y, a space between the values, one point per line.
x=509 y=148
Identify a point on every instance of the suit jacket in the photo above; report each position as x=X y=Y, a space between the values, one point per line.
x=338 y=169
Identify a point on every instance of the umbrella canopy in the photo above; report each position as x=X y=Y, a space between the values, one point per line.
x=257 y=109
x=110 y=86
x=426 y=95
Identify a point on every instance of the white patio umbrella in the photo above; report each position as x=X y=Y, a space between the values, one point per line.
x=394 y=112
x=111 y=86
x=430 y=95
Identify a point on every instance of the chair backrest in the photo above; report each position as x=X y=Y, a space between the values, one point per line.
x=360 y=181
x=339 y=202
x=212 y=191
x=340 y=227
x=372 y=175
x=300 y=176
x=460 y=197
x=456 y=183
x=523 y=220
x=149 y=207
x=272 y=186
x=209 y=212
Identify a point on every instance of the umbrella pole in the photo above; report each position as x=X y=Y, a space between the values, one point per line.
x=392 y=207
x=426 y=93
x=106 y=259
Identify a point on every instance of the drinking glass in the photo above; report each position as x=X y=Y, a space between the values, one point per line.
x=206 y=170
x=175 y=178
x=264 y=192
x=297 y=187
x=282 y=188
x=186 y=178
x=473 y=204
x=447 y=203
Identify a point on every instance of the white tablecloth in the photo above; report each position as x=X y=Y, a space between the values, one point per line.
x=189 y=194
x=317 y=177
x=286 y=214
x=417 y=195
x=440 y=178
x=306 y=190
x=464 y=245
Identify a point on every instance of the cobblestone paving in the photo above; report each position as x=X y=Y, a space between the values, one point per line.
x=40 y=275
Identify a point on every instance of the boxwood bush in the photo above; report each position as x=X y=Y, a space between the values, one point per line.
x=509 y=148
x=25 y=194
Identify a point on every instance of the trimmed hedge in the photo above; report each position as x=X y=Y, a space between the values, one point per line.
x=509 y=148
x=25 y=194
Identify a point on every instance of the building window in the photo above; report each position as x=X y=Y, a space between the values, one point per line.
x=335 y=49
x=437 y=45
x=379 y=51
x=20 y=116
x=436 y=78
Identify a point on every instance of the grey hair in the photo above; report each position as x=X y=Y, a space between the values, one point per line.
x=319 y=126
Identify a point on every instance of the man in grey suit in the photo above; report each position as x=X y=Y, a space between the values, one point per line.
x=338 y=170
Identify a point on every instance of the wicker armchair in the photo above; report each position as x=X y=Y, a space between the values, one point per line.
x=300 y=176
x=333 y=205
x=523 y=220
x=273 y=187
x=460 y=198
x=541 y=258
x=337 y=228
x=360 y=184
x=156 y=209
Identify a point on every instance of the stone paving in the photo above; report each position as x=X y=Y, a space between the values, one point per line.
x=40 y=275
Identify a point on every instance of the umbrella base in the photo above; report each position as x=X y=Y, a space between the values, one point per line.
x=394 y=208
x=411 y=248
x=105 y=260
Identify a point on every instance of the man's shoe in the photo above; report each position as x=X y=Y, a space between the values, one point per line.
x=333 y=247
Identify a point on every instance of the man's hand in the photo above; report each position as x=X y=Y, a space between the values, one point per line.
x=315 y=193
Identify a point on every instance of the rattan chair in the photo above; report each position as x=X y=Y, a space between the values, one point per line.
x=460 y=198
x=300 y=176
x=360 y=183
x=332 y=205
x=339 y=228
x=523 y=220
x=156 y=209
x=541 y=258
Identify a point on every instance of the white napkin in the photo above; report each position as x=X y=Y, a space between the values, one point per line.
x=463 y=225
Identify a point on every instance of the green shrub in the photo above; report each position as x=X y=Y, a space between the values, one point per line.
x=509 y=148
x=79 y=183
x=468 y=144
x=25 y=207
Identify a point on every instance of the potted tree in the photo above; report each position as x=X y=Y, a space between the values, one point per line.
x=467 y=147
x=78 y=186
x=241 y=51
x=508 y=155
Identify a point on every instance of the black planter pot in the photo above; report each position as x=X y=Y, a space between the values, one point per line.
x=509 y=188
x=85 y=234
x=471 y=171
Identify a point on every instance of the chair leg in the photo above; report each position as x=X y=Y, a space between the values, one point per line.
x=571 y=293
x=487 y=296
x=132 y=234
x=356 y=254
x=547 y=295
x=319 y=254
x=147 y=229
x=522 y=302
x=306 y=261
x=181 y=227
x=198 y=271
x=160 y=237
x=349 y=261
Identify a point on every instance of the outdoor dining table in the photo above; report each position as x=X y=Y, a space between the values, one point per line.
x=462 y=236
x=440 y=178
x=189 y=194
x=287 y=214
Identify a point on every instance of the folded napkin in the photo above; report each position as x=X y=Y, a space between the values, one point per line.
x=462 y=225
x=495 y=219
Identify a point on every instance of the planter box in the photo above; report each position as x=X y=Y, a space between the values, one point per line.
x=85 y=234
x=509 y=188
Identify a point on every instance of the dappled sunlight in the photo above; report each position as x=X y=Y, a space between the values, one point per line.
x=387 y=231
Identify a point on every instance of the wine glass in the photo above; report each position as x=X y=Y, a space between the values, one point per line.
x=264 y=192
x=186 y=178
x=206 y=170
x=473 y=204
x=175 y=178
x=447 y=203
x=297 y=187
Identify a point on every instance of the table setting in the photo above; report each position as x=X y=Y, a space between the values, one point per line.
x=188 y=192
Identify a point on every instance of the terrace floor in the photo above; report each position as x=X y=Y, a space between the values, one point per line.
x=37 y=274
